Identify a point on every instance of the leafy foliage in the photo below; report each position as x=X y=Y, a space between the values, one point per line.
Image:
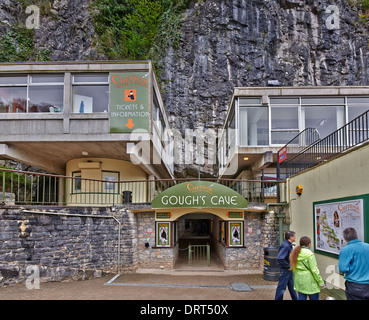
x=137 y=29
x=16 y=45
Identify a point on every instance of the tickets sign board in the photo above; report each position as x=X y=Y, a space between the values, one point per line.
x=129 y=101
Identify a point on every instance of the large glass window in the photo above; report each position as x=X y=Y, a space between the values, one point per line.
x=284 y=115
x=326 y=119
x=13 y=99
x=287 y=116
x=254 y=126
x=90 y=93
x=326 y=114
x=46 y=93
x=357 y=106
x=33 y=93
x=45 y=99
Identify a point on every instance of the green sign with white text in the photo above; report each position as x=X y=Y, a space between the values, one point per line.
x=199 y=194
x=129 y=101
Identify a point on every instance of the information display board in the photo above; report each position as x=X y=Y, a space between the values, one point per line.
x=331 y=217
x=129 y=101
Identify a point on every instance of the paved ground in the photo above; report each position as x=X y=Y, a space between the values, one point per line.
x=140 y=286
x=152 y=286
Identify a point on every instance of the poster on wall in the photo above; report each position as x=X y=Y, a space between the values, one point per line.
x=235 y=234
x=163 y=234
x=331 y=218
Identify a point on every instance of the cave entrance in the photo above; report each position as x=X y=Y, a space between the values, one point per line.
x=196 y=231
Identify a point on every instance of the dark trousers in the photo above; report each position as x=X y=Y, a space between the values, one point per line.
x=356 y=291
x=303 y=296
x=285 y=281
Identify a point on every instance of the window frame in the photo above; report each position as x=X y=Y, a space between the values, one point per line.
x=29 y=84
x=90 y=84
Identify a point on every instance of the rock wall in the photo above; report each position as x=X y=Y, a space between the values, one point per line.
x=239 y=43
x=64 y=247
x=65 y=28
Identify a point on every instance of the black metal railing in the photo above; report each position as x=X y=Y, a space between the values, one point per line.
x=350 y=135
x=31 y=188
x=304 y=139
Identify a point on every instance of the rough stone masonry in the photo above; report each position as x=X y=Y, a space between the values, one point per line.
x=76 y=247
x=62 y=247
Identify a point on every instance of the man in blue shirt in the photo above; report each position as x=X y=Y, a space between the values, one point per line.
x=354 y=264
x=285 y=275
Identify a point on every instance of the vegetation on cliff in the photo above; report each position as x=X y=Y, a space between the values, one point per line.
x=136 y=29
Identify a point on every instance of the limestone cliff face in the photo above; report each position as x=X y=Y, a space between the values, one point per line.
x=236 y=43
x=227 y=44
x=65 y=28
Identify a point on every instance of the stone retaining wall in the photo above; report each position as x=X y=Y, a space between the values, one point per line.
x=62 y=247
x=65 y=247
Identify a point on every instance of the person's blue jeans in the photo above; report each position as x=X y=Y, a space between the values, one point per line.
x=303 y=296
x=285 y=281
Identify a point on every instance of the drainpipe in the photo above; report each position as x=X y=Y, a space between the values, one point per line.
x=88 y=216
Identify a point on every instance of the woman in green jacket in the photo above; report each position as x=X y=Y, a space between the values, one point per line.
x=307 y=277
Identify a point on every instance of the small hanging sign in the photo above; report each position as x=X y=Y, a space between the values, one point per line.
x=235 y=215
x=163 y=215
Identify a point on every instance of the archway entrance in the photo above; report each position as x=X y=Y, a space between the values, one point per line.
x=202 y=214
x=196 y=231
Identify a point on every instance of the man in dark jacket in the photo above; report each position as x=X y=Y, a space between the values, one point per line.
x=285 y=275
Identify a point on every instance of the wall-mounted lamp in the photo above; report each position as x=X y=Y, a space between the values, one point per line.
x=85 y=153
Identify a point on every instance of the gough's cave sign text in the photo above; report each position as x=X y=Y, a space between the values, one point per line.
x=204 y=194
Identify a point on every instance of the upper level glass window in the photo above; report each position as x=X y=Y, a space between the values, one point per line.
x=46 y=93
x=251 y=101
x=356 y=106
x=254 y=126
x=325 y=114
x=90 y=93
x=323 y=100
x=9 y=80
x=13 y=99
x=326 y=119
x=47 y=78
x=32 y=93
x=284 y=113
x=91 y=78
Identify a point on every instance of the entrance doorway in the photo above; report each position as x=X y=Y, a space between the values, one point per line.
x=198 y=229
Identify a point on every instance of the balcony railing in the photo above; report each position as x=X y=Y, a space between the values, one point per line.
x=30 y=188
x=350 y=135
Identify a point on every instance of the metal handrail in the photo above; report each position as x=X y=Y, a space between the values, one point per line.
x=199 y=253
x=307 y=136
x=348 y=136
x=23 y=187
